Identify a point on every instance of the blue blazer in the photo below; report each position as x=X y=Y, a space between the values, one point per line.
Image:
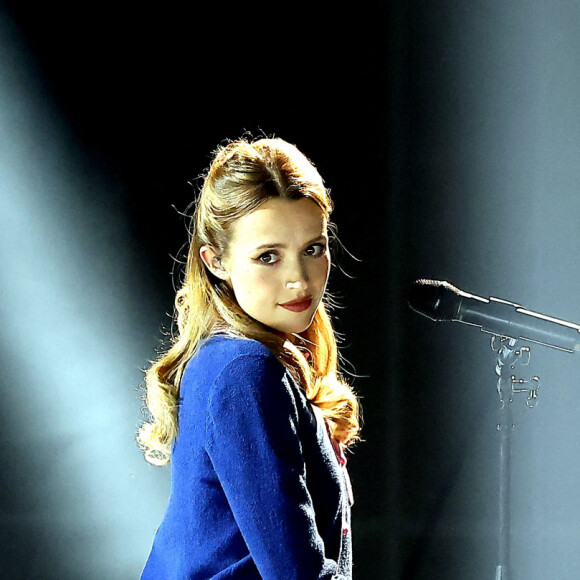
x=257 y=490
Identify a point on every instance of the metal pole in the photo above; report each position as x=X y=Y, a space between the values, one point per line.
x=504 y=427
x=510 y=354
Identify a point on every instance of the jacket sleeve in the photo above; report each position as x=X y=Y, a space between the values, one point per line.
x=253 y=443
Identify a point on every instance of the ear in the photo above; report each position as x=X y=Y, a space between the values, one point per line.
x=213 y=263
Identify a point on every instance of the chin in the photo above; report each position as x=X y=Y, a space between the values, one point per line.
x=296 y=327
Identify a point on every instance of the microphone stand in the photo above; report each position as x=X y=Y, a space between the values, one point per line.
x=509 y=355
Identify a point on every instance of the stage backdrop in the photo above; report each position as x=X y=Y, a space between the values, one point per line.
x=449 y=135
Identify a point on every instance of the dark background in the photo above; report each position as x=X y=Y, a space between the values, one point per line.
x=449 y=136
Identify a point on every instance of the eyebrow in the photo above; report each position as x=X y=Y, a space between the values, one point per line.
x=278 y=245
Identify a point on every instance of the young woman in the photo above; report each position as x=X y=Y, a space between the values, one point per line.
x=248 y=403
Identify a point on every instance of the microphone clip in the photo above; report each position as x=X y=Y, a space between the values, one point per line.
x=511 y=354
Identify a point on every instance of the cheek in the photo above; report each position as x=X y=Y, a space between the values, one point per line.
x=253 y=285
x=320 y=270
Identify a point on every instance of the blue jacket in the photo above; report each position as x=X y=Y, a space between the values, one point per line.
x=257 y=490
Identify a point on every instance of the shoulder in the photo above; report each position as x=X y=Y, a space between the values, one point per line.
x=227 y=347
x=248 y=391
x=223 y=358
x=221 y=351
x=243 y=375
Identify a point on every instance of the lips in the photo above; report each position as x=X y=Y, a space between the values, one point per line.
x=298 y=305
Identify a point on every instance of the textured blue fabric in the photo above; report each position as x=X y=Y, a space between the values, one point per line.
x=257 y=491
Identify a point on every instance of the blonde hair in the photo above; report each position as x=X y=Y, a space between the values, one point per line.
x=242 y=176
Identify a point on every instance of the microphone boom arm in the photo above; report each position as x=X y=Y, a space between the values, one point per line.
x=440 y=301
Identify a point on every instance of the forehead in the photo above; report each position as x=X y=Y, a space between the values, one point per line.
x=280 y=221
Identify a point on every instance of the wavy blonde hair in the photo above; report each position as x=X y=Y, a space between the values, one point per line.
x=242 y=176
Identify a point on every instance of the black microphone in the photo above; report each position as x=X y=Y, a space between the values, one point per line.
x=441 y=301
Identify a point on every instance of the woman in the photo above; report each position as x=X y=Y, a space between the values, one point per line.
x=248 y=403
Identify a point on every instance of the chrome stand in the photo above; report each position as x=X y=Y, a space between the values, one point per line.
x=509 y=355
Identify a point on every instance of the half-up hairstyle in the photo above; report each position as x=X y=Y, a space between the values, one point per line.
x=242 y=176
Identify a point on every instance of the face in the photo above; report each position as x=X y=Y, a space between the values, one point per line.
x=278 y=263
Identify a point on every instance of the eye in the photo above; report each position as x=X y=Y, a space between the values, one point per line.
x=315 y=250
x=268 y=258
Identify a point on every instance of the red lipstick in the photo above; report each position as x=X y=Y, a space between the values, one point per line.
x=298 y=305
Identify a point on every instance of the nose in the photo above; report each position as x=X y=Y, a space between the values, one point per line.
x=296 y=275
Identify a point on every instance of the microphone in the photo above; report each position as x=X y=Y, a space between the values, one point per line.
x=441 y=301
